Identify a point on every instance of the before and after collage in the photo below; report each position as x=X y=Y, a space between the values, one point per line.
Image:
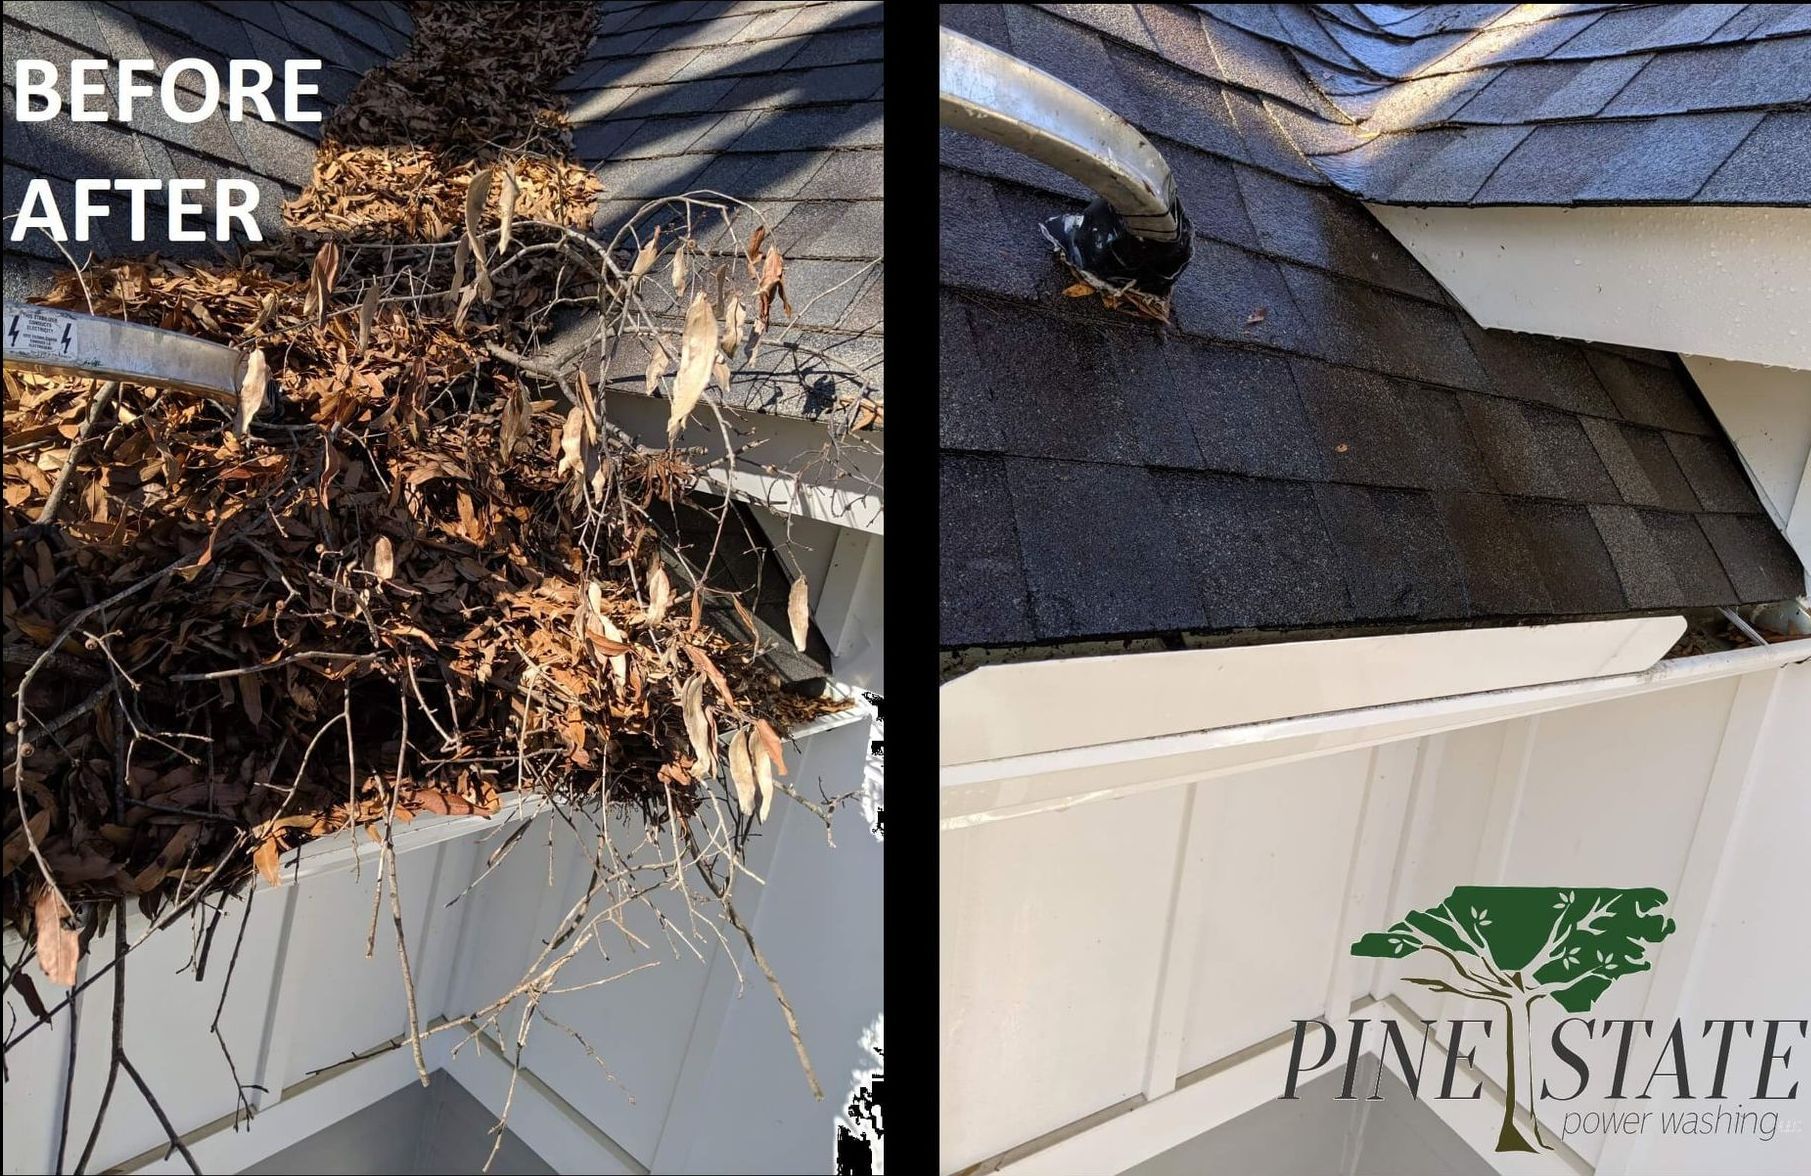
x=445 y=594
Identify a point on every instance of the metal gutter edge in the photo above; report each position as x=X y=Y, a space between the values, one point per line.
x=1405 y=719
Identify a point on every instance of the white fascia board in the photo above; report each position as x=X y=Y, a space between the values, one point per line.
x=996 y=790
x=1734 y=283
x=1007 y=711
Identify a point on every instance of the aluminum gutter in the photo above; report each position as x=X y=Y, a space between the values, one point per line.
x=1011 y=786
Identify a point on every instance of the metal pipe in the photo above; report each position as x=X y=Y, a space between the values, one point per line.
x=1136 y=232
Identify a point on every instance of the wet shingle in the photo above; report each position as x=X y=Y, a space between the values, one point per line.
x=1313 y=226
x=1066 y=51
x=1157 y=410
x=1573 y=562
x=1100 y=550
x=1256 y=551
x=977 y=248
x=1648 y=394
x=1533 y=367
x=1365 y=436
x=1055 y=393
x=981 y=595
x=1236 y=296
x=1399 y=562
x=1644 y=569
x=1501 y=577
x=1760 y=563
x=1713 y=473
x=1694 y=565
x=1672 y=158
x=1772 y=166
x=1244 y=412
x=965 y=403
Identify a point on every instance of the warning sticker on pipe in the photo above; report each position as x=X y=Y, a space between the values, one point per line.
x=34 y=332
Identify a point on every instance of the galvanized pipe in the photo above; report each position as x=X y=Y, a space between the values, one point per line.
x=994 y=95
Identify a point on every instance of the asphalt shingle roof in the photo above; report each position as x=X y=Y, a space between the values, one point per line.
x=1322 y=437
x=1517 y=104
x=347 y=38
x=774 y=104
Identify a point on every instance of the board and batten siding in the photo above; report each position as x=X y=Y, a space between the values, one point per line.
x=679 y=1041
x=1097 y=953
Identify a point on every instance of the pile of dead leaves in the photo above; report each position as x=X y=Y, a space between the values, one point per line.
x=474 y=91
x=336 y=602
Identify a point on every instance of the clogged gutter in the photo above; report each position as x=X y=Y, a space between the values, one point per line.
x=406 y=574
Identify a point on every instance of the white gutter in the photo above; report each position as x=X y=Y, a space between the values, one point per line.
x=998 y=789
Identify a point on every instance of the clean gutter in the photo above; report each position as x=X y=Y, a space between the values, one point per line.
x=1019 y=785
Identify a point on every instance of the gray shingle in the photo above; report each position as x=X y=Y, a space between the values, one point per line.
x=1537 y=91
x=978 y=249
x=1672 y=158
x=1244 y=412
x=1645 y=569
x=1758 y=74
x=1688 y=554
x=1757 y=557
x=1649 y=395
x=1534 y=367
x=1256 y=551
x=1100 y=551
x=981 y=595
x=1177 y=104
x=1656 y=26
x=1399 y=562
x=1438 y=166
x=1055 y=393
x=1772 y=166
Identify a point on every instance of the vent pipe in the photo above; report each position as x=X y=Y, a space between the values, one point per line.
x=1135 y=234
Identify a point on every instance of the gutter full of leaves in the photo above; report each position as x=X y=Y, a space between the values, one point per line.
x=405 y=571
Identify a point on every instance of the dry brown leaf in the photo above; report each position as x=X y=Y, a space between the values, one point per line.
x=619 y=663
x=660 y=592
x=58 y=948
x=720 y=370
x=383 y=558
x=251 y=697
x=754 y=249
x=770 y=740
x=741 y=771
x=1079 y=290
x=697 y=728
x=657 y=367
x=320 y=281
x=251 y=389
x=798 y=611
x=476 y=196
x=266 y=309
x=446 y=804
x=734 y=319
x=466 y=296
x=644 y=261
x=763 y=777
x=266 y=859
x=572 y=439
x=773 y=282
x=516 y=414
x=679 y=268
x=709 y=669
x=17 y=848
x=367 y=314
x=506 y=212
x=695 y=353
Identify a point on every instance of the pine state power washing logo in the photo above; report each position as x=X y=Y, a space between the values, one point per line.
x=1516 y=946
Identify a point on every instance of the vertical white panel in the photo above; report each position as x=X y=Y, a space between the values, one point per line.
x=325 y=961
x=743 y=1104
x=1462 y=781
x=1049 y=941
x=167 y=1018
x=1276 y=881
x=35 y=1069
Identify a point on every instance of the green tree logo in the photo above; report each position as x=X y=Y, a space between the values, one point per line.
x=1513 y=945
